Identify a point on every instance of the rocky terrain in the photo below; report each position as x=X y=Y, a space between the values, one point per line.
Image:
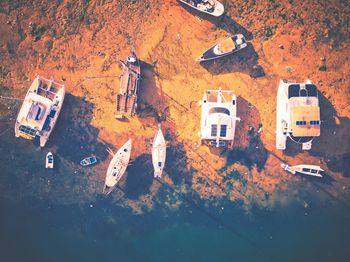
x=79 y=43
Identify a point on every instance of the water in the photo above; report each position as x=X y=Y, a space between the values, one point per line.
x=59 y=215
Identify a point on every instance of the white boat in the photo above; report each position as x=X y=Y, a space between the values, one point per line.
x=158 y=153
x=40 y=109
x=88 y=161
x=49 y=160
x=297 y=114
x=210 y=7
x=219 y=116
x=117 y=167
x=310 y=170
x=226 y=47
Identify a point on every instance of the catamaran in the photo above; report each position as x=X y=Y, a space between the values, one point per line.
x=40 y=109
x=298 y=114
x=129 y=85
x=310 y=170
x=117 y=167
x=228 y=46
x=219 y=116
x=158 y=153
x=210 y=7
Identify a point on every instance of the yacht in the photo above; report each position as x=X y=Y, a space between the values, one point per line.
x=298 y=114
x=218 y=118
x=310 y=170
x=210 y=7
x=40 y=109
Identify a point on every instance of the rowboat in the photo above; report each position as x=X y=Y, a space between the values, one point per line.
x=158 y=153
x=88 y=161
x=117 y=167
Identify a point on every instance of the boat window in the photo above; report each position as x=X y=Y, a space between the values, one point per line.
x=223 y=129
x=159 y=164
x=214 y=130
x=219 y=110
x=307 y=170
x=301 y=123
x=315 y=122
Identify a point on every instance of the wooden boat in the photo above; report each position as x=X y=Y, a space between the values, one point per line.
x=129 y=86
x=49 y=160
x=88 y=161
x=210 y=7
x=117 y=167
x=40 y=109
x=228 y=46
x=310 y=170
x=158 y=153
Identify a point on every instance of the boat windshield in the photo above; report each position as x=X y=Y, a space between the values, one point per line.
x=219 y=110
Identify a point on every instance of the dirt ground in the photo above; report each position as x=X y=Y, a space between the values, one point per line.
x=79 y=44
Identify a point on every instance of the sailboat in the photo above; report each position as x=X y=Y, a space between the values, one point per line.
x=117 y=167
x=311 y=170
x=158 y=153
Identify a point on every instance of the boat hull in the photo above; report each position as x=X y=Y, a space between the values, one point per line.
x=117 y=167
x=158 y=153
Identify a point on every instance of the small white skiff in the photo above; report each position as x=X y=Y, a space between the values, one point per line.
x=310 y=170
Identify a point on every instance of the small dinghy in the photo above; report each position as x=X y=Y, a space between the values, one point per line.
x=117 y=167
x=228 y=46
x=158 y=153
x=310 y=170
x=210 y=7
x=88 y=161
x=49 y=160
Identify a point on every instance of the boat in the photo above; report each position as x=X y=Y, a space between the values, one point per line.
x=210 y=7
x=49 y=160
x=310 y=170
x=297 y=114
x=88 y=161
x=158 y=153
x=117 y=167
x=40 y=109
x=226 y=47
x=129 y=85
x=218 y=118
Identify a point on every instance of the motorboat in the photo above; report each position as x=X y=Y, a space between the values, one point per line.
x=311 y=170
x=49 y=160
x=88 y=161
x=210 y=7
x=129 y=85
x=226 y=47
x=297 y=114
x=40 y=109
x=158 y=153
x=117 y=167
x=218 y=118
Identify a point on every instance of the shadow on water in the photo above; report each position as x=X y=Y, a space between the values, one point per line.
x=248 y=147
x=334 y=143
x=139 y=178
x=74 y=136
x=244 y=61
